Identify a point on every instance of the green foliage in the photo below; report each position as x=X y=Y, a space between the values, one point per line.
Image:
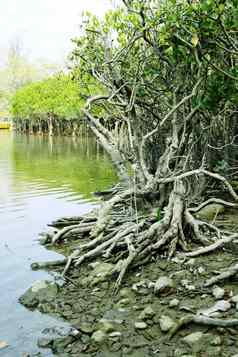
x=158 y=214
x=59 y=96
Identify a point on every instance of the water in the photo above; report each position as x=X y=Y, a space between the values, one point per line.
x=41 y=179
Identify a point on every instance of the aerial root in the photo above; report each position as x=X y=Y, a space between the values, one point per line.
x=202 y=320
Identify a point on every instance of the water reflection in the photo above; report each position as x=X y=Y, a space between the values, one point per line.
x=40 y=180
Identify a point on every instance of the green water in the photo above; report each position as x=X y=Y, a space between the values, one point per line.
x=41 y=179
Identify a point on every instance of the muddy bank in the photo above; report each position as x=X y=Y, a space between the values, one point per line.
x=140 y=319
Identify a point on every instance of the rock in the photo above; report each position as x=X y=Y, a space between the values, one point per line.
x=218 y=293
x=185 y=283
x=210 y=211
x=115 y=334
x=140 y=325
x=163 y=284
x=44 y=342
x=3 y=344
x=41 y=292
x=99 y=337
x=126 y=293
x=234 y=299
x=123 y=302
x=102 y=269
x=174 y=303
x=221 y=305
x=193 y=338
x=85 y=327
x=191 y=261
x=216 y=341
x=106 y=325
x=201 y=270
x=147 y=313
x=166 y=323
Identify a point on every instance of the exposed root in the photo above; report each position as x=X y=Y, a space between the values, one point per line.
x=220 y=243
x=202 y=320
x=135 y=239
x=213 y=200
x=233 y=270
x=47 y=265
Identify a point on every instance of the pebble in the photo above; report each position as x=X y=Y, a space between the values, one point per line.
x=218 y=292
x=174 y=303
x=99 y=336
x=193 y=338
x=234 y=299
x=140 y=325
x=146 y=313
x=166 y=323
x=163 y=284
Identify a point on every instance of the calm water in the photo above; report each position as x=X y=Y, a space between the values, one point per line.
x=40 y=180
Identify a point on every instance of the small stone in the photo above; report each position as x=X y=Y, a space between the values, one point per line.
x=174 y=303
x=216 y=341
x=193 y=338
x=190 y=262
x=44 y=342
x=221 y=305
x=163 y=284
x=147 y=313
x=201 y=270
x=234 y=299
x=140 y=325
x=3 y=344
x=218 y=293
x=123 y=302
x=115 y=334
x=99 y=336
x=106 y=325
x=166 y=323
x=126 y=293
x=85 y=327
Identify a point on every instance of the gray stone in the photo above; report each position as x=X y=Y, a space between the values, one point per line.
x=147 y=313
x=41 y=292
x=85 y=327
x=140 y=325
x=166 y=323
x=218 y=292
x=234 y=299
x=115 y=334
x=44 y=342
x=193 y=338
x=163 y=284
x=221 y=305
x=216 y=341
x=106 y=325
x=191 y=261
x=99 y=337
x=174 y=303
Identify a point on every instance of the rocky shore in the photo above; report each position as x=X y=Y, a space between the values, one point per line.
x=144 y=318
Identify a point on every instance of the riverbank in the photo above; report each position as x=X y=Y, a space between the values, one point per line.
x=139 y=320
